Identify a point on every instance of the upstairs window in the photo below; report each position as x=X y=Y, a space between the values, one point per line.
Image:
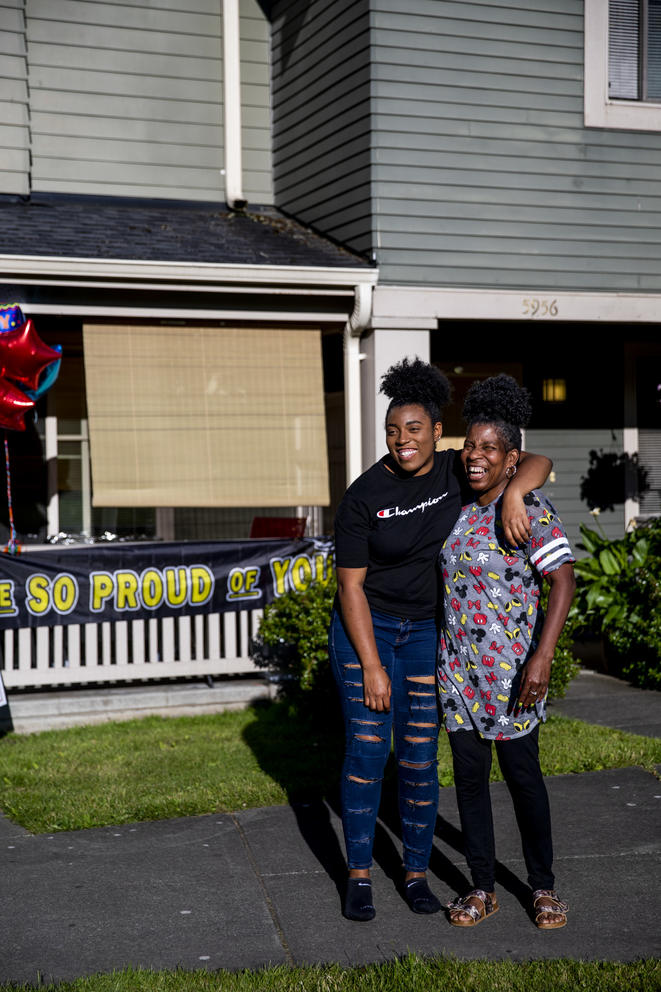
x=634 y=50
x=623 y=64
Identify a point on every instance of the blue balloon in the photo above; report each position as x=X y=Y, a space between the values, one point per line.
x=47 y=377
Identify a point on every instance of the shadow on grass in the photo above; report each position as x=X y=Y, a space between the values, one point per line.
x=303 y=752
x=6 y=722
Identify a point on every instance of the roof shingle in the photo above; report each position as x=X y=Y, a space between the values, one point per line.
x=162 y=231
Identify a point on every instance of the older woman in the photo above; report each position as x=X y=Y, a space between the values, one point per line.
x=383 y=633
x=496 y=650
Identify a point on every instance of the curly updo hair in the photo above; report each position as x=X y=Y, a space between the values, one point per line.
x=416 y=382
x=501 y=402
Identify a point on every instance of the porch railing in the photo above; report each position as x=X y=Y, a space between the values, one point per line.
x=128 y=650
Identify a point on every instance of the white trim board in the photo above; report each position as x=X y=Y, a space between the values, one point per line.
x=188 y=315
x=407 y=307
x=73 y=269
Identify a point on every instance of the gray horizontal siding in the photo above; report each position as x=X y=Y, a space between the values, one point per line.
x=649 y=450
x=67 y=55
x=256 y=104
x=148 y=124
x=570 y=453
x=126 y=98
x=147 y=133
x=14 y=115
x=482 y=170
x=321 y=116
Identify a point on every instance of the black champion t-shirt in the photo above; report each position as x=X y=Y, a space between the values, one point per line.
x=394 y=526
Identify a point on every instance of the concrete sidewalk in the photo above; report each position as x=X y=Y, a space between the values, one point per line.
x=264 y=886
x=601 y=699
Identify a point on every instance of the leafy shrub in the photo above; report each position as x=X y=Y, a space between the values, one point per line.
x=565 y=666
x=618 y=597
x=292 y=643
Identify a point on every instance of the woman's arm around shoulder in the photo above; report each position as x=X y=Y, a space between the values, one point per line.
x=532 y=473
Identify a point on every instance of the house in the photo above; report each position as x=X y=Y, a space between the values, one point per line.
x=470 y=156
x=511 y=202
x=141 y=233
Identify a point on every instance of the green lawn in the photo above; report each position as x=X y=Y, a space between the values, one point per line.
x=410 y=974
x=159 y=768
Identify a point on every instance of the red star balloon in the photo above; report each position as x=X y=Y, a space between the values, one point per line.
x=23 y=354
x=13 y=405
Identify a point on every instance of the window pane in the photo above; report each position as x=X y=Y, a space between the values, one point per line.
x=654 y=51
x=623 y=30
x=69 y=486
x=124 y=521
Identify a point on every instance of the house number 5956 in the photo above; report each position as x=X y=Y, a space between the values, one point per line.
x=540 y=308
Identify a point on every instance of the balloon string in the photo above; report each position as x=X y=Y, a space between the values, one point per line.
x=12 y=546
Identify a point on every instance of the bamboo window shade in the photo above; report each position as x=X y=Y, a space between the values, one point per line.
x=205 y=416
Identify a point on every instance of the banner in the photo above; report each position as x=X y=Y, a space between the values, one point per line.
x=96 y=583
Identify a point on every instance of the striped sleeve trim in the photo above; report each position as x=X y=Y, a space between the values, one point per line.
x=551 y=553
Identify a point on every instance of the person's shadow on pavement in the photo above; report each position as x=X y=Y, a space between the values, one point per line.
x=305 y=758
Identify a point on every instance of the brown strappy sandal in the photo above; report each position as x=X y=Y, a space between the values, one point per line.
x=476 y=914
x=546 y=902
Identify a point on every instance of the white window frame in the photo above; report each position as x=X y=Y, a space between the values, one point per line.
x=600 y=111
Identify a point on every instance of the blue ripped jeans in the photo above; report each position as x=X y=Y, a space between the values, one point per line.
x=407 y=649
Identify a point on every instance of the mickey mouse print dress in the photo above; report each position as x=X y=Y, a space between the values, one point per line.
x=492 y=617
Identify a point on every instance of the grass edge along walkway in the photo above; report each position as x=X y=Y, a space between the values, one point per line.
x=411 y=973
x=168 y=767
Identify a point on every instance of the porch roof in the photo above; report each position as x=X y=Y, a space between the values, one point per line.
x=108 y=228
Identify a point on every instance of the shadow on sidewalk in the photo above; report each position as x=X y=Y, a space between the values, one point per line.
x=305 y=757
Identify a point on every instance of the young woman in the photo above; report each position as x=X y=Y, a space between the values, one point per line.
x=383 y=633
x=496 y=650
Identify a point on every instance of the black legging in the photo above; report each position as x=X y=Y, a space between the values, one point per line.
x=519 y=763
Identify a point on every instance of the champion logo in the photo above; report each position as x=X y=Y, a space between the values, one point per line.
x=395 y=511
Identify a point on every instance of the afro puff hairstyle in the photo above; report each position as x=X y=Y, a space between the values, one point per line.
x=416 y=382
x=502 y=402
